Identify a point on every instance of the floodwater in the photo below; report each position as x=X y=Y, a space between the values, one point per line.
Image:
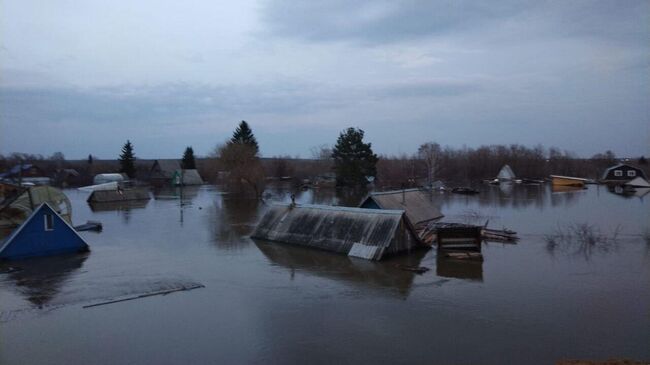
x=268 y=303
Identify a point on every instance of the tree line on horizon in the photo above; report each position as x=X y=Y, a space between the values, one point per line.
x=355 y=164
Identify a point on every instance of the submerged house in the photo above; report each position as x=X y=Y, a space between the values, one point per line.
x=169 y=172
x=163 y=171
x=187 y=177
x=365 y=233
x=118 y=195
x=622 y=173
x=44 y=233
x=506 y=174
x=417 y=205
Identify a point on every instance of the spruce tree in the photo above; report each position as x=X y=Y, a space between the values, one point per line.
x=244 y=135
x=188 y=162
x=127 y=160
x=354 y=160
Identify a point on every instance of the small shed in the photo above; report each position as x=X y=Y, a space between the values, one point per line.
x=365 y=233
x=621 y=173
x=106 y=178
x=187 y=177
x=163 y=171
x=506 y=174
x=44 y=233
x=417 y=204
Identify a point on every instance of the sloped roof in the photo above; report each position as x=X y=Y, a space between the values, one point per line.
x=166 y=168
x=414 y=202
x=355 y=231
x=71 y=240
x=638 y=182
x=190 y=177
x=506 y=173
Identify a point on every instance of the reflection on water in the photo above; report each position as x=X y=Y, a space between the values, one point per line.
x=40 y=280
x=459 y=269
x=274 y=303
x=353 y=271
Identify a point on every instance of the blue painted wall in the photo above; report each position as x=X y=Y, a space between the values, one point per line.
x=32 y=240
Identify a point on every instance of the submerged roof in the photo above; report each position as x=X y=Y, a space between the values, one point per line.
x=33 y=239
x=166 y=168
x=506 y=173
x=190 y=177
x=417 y=205
x=638 y=182
x=358 y=232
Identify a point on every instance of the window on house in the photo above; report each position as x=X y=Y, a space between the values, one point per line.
x=49 y=222
x=631 y=173
x=618 y=172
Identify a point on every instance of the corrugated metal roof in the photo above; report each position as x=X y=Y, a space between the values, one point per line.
x=417 y=205
x=336 y=229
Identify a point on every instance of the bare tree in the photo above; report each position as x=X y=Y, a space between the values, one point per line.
x=322 y=152
x=430 y=153
x=244 y=168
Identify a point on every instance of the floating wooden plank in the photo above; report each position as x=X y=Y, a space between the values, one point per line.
x=161 y=292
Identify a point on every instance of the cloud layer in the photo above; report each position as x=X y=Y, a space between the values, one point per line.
x=83 y=78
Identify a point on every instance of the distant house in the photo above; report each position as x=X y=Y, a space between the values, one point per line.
x=44 y=233
x=24 y=170
x=107 y=178
x=365 y=233
x=187 y=177
x=28 y=174
x=169 y=172
x=163 y=171
x=622 y=173
x=506 y=174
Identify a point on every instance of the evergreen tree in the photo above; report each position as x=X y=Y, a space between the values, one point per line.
x=188 y=163
x=127 y=160
x=354 y=160
x=244 y=135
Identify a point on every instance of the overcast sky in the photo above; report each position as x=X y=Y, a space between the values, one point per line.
x=81 y=77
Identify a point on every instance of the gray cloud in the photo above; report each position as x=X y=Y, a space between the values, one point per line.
x=376 y=22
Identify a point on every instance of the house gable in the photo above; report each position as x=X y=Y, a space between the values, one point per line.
x=44 y=233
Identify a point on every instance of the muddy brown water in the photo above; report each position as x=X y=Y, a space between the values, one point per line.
x=270 y=303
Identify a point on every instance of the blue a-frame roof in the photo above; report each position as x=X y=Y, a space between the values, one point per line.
x=44 y=233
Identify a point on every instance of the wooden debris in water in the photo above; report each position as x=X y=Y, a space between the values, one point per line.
x=415 y=269
x=477 y=256
x=89 y=226
x=161 y=292
x=503 y=235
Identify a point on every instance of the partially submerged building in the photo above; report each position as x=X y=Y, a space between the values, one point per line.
x=169 y=172
x=44 y=233
x=622 y=173
x=163 y=171
x=365 y=233
x=187 y=177
x=506 y=174
x=417 y=205
x=118 y=195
